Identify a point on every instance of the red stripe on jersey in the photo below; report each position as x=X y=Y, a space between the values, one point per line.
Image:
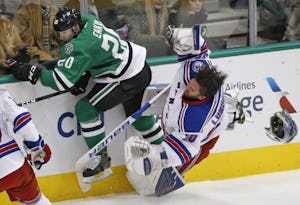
x=11 y=146
x=22 y=119
x=178 y=147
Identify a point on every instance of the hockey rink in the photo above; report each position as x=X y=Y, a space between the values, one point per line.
x=265 y=189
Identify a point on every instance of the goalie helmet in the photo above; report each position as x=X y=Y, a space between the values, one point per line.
x=66 y=18
x=186 y=41
x=282 y=127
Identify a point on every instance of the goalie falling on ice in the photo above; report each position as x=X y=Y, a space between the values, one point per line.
x=194 y=115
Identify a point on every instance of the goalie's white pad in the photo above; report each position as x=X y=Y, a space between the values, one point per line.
x=142 y=158
x=159 y=182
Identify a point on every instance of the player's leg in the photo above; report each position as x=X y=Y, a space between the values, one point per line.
x=146 y=125
x=21 y=185
x=102 y=98
x=92 y=129
x=203 y=153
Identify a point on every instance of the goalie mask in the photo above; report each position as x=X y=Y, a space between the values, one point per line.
x=187 y=41
x=283 y=128
x=66 y=18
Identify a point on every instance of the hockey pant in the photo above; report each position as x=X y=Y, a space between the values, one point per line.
x=21 y=185
x=104 y=97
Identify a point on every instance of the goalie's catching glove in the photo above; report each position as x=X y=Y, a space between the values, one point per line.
x=27 y=72
x=38 y=152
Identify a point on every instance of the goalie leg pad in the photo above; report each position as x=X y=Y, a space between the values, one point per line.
x=159 y=182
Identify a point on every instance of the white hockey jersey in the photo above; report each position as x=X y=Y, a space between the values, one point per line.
x=13 y=120
x=190 y=124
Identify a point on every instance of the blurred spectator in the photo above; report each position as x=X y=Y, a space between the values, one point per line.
x=292 y=32
x=109 y=14
x=273 y=19
x=187 y=13
x=147 y=20
x=9 y=7
x=11 y=45
x=4 y=66
x=34 y=20
x=107 y=11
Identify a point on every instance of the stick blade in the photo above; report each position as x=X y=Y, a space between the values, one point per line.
x=85 y=187
x=79 y=167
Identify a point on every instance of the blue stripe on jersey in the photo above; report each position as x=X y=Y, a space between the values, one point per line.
x=8 y=148
x=218 y=100
x=21 y=120
x=179 y=148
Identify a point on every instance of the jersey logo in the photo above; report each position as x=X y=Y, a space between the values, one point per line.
x=69 y=48
x=198 y=65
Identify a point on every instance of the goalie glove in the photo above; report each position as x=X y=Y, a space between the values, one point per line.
x=139 y=147
x=38 y=153
x=143 y=158
x=27 y=72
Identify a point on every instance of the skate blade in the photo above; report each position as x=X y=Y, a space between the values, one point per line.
x=88 y=180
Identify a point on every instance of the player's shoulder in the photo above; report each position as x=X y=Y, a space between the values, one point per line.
x=195 y=65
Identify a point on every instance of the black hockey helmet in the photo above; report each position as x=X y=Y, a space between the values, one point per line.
x=66 y=18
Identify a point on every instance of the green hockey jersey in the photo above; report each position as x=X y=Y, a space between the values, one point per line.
x=100 y=51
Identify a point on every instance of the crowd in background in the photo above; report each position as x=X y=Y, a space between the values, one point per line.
x=27 y=24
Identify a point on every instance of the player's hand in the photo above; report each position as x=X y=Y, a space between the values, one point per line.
x=4 y=63
x=81 y=84
x=38 y=153
x=23 y=55
x=27 y=72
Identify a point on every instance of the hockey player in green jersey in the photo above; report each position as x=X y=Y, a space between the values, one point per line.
x=117 y=67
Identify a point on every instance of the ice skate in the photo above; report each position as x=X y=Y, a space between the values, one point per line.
x=98 y=168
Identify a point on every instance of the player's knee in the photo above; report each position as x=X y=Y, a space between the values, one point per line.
x=150 y=129
x=85 y=111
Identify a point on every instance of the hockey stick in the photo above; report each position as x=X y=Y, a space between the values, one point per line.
x=80 y=164
x=34 y=100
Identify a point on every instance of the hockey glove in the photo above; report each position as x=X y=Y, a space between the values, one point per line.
x=81 y=84
x=23 y=55
x=27 y=72
x=38 y=153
